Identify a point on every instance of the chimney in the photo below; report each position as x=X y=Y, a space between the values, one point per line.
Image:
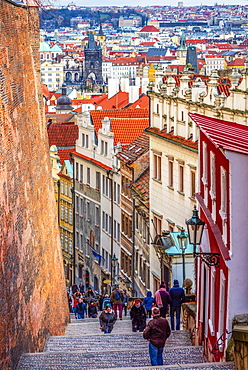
x=113 y=87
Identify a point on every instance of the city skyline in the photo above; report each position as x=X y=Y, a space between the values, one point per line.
x=144 y=3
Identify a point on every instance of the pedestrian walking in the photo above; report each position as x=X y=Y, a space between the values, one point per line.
x=125 y=301
x=116 y=299
x=81 y=309
x=148 y=302
x=74 y=288
x=162 y=299
x=107 y=319
x=177 y=297
x=156 y=332
x=92 y=310
x=106 y=300
x=81 y=288
x=138 y=316
x=75 y=299
x=89 y=295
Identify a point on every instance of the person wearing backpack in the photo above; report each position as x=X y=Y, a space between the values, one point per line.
x=117 y=299
x=148 y=302
x=106 y=300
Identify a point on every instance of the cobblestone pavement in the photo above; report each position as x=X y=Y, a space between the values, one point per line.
x=85 y=347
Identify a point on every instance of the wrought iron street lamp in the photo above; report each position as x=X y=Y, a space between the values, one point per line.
x=195 y=228
x=183 y=243
x=114 y=261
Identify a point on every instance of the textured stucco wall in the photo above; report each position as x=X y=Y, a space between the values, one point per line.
x=32 y=288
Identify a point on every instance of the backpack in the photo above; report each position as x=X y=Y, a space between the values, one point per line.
x=105 y=302
x=117 y=295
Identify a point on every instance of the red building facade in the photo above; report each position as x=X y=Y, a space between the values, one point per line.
x=223 y=153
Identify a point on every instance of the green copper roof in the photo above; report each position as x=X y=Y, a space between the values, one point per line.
x=56 y=48
x=44 y=47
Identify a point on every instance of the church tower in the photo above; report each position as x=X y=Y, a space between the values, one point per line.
x=101 y=38
x=93 y=61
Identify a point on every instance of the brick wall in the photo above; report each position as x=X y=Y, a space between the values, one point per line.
x=33 y=301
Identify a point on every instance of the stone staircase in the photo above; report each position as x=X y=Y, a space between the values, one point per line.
x=85 y=347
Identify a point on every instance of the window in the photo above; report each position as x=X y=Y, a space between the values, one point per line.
x=98 y=180
x=62 y=212
x=88 y=175
x=115 y=192
x=222 y=305
x=182 y=116
x=118 y=194
x=97 y=220
x=102 y=147
x=81 y=211
x=103 y=184
x=223 y=185
x=76 y=174
x=62 y=240
x=70 y=217
x=118 y=232
x=77 y=239
x=170 y=174
x=105 y=148
x=205 y=163
x=192 y=188
x=62 y=187
x=115 y=229
x=86 y=141
x=181 y=179
x=66 y=188
x=103 y=220
x=77 y=204
x=83 y=140
x=66 y=214
x=157 y=108
x=81 y=173
x=88 y=211
x=157 y=225
x=70 y=246
x=66 y=243
x=157 y=167
x=212 y=176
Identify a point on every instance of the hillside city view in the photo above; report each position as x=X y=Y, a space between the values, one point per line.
x=124 y=168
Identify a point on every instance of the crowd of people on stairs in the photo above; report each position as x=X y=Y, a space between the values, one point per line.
x=164 y=303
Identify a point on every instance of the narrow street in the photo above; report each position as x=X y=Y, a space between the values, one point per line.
x=85 y=347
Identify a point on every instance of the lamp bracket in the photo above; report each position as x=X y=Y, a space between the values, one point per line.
x=211 y=259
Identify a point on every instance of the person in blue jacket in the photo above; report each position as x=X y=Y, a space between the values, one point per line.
x=177 y=298
x=81 y=309
x=148 y=302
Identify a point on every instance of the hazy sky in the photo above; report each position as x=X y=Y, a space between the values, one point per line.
x=146 y=2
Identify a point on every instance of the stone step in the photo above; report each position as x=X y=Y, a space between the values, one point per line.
x=200 y=366
x=85 y=360
x=113 y=341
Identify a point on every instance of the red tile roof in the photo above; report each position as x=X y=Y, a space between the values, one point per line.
x=99 y=164
x=141 y=185
x=224 y=134
x=171 y=137
x=98 y=115
x=45 y=91
x=149 y=29
x=119 y=100
x=64 y=136
x=136 y=149
x=237 y=62
x=127 y=129
x=142 y=102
